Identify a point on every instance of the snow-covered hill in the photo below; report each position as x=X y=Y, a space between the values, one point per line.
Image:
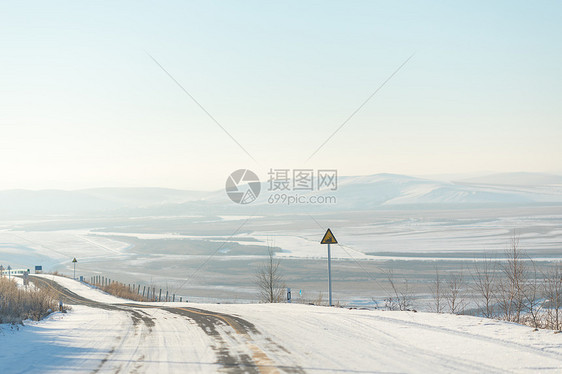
x=516 y=179
x=353 y=193
x=25 y=203
x=388 y=190
x=391 y=191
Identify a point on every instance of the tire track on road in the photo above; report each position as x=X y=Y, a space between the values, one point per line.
x=221 y=328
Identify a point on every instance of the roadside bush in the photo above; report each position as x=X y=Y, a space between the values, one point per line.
x=18 y=304
x=121 y=290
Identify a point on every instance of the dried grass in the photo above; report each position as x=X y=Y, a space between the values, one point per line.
x=123 y=291
x=18 y=304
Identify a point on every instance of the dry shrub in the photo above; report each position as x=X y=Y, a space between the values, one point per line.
x=59 y=274
x=18 y=304
x=121 y=290
x=318 y=301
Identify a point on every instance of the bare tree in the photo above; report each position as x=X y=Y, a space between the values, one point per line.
x=553 y=296
x=531 y=292
x=401 y=296
x=512 y=285
x=454 y=293
x=484 y=286
x=269 y=279
x=437 y=292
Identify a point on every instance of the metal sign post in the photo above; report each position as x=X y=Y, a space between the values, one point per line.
x=330 y=274
x=74 y=261
x=329 y=238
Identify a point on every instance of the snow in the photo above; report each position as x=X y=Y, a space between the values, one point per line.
x=339 y=339
x=313 y=339
x=402 y=236
x=60 y=246
x=83 y=339
x=84 y=289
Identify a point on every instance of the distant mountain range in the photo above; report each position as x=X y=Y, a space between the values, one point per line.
x=398 y=191
x=89 y=201
x=516 y=179
x=379 y=191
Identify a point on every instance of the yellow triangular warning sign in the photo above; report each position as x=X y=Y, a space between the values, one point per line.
x=329 y=238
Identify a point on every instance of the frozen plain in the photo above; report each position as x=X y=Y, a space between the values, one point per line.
x=194 y=257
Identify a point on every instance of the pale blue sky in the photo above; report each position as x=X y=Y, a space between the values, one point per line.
x=82 y=104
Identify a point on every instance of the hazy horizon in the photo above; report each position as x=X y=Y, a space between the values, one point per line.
x=85 y=100
x=446 y=177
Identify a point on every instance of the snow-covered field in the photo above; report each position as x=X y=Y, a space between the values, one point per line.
x=382 y=238
x=56 y=247
x=212 y=257
x=292 y=338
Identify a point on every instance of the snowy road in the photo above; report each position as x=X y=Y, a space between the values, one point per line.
x=159 y=337
x=105 y=334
